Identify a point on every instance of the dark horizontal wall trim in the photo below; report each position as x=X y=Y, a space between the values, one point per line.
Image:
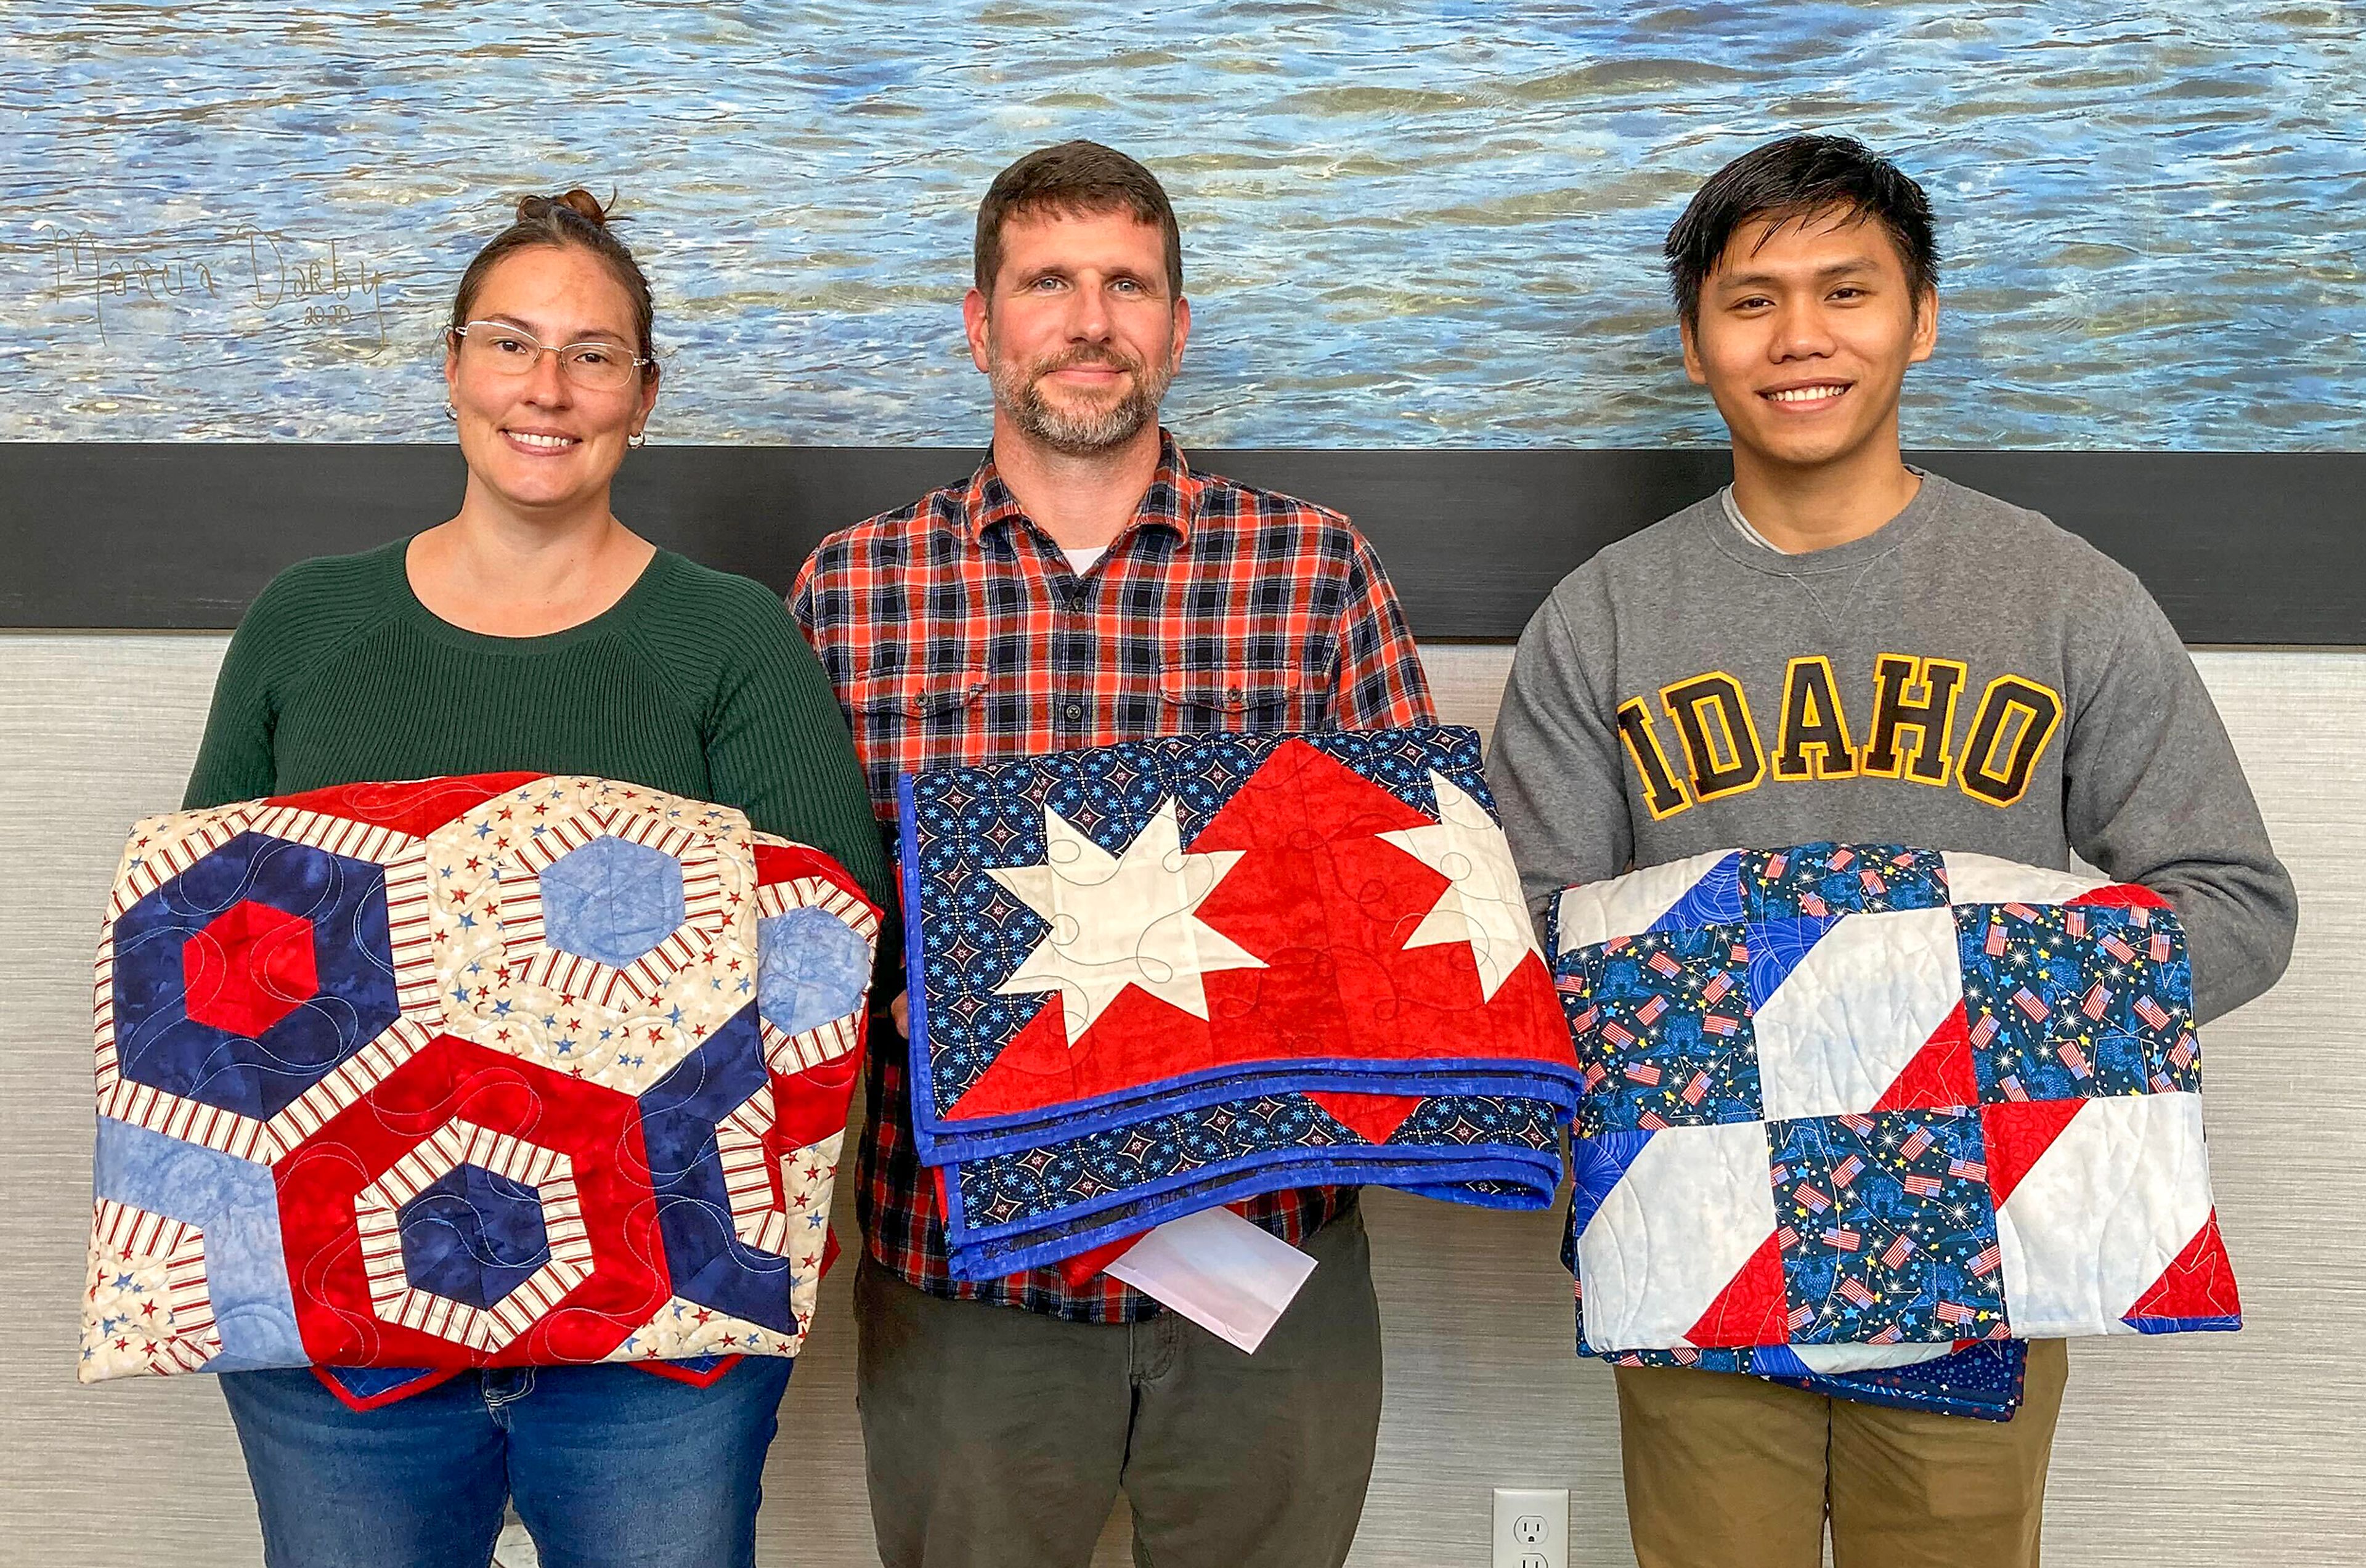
x=2239 y=548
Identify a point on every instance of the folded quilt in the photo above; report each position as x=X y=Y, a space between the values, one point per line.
x=1849 y=1095
x=1009 y=1212
x=1156 y=977
x=1981 y=1380
x=498 y=1070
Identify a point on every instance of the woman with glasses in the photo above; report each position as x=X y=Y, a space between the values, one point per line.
x=531 y=631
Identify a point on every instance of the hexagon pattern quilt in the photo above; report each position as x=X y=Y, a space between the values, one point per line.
x=507 y=1069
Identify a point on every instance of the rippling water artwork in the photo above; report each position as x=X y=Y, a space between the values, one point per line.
x=1406 y=222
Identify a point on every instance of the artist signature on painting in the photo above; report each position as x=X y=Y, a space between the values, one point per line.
x=328 y=285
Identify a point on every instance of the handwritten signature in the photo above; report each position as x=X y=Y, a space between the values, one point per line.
x=338 y=288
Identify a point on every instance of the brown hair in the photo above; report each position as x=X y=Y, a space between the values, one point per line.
x=574 y=218
x=1074 y=179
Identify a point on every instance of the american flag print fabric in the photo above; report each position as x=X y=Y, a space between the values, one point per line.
x=513 y=1070
x=1959 y=1100
x=1159 y=976
x=1981 y=1380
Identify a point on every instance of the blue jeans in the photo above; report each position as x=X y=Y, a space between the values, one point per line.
x=609 y=1465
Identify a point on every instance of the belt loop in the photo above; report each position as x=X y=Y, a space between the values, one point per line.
x=1150 y=1344
x=502 y=1386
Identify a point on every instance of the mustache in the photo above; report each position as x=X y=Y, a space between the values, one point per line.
x=1084 y=353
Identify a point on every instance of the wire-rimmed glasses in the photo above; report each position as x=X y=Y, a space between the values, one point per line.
x=594 y=364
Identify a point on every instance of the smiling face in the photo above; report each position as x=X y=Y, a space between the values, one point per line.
x=1803 y=337
x=539 y=441
x=1082 y=332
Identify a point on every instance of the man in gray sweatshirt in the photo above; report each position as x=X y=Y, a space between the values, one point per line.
x=1840 y=646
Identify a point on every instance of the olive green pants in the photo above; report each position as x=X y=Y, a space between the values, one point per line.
x=1730 y=1471
x=1000 y=1438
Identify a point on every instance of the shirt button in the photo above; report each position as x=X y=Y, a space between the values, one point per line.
x=1073 y=711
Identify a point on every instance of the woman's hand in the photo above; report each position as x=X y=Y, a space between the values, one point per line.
x=900 y=1009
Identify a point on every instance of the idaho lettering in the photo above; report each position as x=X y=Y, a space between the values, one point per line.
x=1910 y=727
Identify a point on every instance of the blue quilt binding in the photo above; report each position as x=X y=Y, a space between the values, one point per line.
x=990 y=1252
x=908 y=877
x=1981 y=1382
x=1219 y=1085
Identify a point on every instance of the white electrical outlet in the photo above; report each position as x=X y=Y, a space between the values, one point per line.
x=1531 y=1527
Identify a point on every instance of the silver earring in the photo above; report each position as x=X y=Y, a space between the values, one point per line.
x=449 y=411
x=637 y=438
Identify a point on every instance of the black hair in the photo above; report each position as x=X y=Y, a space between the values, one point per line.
x=1798 y=177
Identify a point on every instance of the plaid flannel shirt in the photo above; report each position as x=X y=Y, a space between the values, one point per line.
x=955 y=632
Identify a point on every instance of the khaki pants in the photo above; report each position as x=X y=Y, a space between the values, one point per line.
x=1730 y=1471
x=1000 y=1438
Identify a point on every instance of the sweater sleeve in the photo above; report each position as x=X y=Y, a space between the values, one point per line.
x=2155 y=795
x=1555 y=766
x=234 y=760
x=777 y=745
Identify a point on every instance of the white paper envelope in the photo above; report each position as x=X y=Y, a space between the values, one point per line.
x=1216 y=1269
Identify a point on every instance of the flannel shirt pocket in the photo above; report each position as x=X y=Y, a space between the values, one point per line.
x=1231 y=698
x=916 y=693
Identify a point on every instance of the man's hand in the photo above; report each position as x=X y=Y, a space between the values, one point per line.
x=900 y=1009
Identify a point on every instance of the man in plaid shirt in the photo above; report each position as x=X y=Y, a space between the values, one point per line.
x=1085 y=587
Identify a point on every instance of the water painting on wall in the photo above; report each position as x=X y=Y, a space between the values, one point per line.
x=1416 y=223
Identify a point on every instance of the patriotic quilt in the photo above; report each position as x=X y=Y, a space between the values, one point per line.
x=1848 y=1106
x=405 y=1078
x=1153 y=977
x=1981 y=1379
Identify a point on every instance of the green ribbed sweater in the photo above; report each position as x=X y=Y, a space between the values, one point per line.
x=695 y=682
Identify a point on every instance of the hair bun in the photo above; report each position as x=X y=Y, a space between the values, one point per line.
x=576 y=219
x=580 y=202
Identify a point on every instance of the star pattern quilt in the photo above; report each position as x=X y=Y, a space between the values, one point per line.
x=1161 y=976
x=405 y=1078
x=1849 y=1105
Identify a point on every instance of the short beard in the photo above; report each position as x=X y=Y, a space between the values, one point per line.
x=1020 y=394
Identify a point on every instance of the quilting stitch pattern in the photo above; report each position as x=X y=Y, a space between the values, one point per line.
x=467 y=1072
x=1157 y=974
x=1976 y=1117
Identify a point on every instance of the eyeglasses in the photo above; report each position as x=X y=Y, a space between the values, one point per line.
x=505 y=350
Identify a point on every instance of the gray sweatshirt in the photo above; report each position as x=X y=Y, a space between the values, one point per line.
x=1968 y=677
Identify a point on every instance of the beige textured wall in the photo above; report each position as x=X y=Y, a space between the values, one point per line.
x=2226 y=1451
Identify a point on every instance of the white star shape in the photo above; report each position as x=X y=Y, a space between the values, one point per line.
x=1122 y=920
x=1482 y=904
